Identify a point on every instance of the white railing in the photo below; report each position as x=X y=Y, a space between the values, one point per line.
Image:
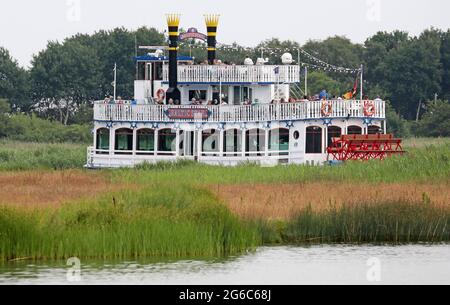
x=238 y=113
x=235 y=74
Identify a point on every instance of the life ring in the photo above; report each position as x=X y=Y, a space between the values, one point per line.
x=161 y=94
x=369 y=108
x=327 y=108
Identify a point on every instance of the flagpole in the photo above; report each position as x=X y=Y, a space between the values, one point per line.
x=306 y=80
x=115 y=80
x=362 y=79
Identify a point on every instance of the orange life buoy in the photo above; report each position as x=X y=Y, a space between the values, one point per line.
x=369 y=108
x=327 y=108
x=161 y=94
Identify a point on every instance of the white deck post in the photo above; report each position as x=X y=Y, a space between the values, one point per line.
x=199 y=143
x=156 y=140
x=221 y=142
x=134 y=141
x=112 y=141
x=177 y=143
x=266 y=143
x=243 y=142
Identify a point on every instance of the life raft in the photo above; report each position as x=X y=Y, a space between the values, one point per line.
x=326 y=108
x=369 y=108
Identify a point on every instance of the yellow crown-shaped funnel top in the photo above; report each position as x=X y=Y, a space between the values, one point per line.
x=173 y=19
x=212 y=20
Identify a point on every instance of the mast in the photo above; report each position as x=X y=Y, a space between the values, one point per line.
x=115 y=81
x=362 y=78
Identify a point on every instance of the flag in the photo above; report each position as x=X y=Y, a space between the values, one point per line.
x=349 y=95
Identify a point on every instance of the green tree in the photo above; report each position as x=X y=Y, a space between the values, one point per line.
x=119 y=46
x=412 y=73
x=376 y=49
x=4 y=117
x=436 y=121
x=445 y=60
x=318 y=81
x=64 y=77
x=14 y=83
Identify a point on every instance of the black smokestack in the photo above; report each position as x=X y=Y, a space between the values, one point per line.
x=173 y=22
x=212 y=21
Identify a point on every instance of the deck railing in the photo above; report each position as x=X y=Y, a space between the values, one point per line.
x=237 y=113
x=235 y=74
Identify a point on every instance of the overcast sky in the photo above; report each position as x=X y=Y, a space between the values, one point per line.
x=27 y=25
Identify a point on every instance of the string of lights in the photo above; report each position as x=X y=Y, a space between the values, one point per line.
x=315 y=63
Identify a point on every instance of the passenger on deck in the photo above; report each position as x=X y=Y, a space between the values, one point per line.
x=170 y=101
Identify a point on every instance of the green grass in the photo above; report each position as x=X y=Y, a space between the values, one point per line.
x=426 y=164
x=173 y=214
x=31 y=156
x=184 y=222
x=392 y=222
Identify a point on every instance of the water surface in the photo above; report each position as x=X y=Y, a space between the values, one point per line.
x=413 y=264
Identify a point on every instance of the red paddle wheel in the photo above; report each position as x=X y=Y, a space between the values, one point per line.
x=364 y=147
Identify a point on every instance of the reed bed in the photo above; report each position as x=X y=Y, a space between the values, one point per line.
x=32 y=156
x=180 y=209
x=185 y=222
x=41 y=189
x=390 y=222
x=284 y=201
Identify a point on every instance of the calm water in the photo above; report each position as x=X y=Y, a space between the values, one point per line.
x=418 y=264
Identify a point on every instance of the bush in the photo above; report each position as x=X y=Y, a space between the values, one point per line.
x=436 y=121
x=27 y=128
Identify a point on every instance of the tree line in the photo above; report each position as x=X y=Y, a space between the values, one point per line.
x=411 y=72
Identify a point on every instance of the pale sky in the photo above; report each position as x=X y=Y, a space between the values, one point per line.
x=27 y=25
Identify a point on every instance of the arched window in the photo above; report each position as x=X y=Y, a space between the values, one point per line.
x=255 y=142
x=354 y=130
x=145 y=140
x=124 y=140
x=102 y=139
x=314 y=140
x=166 y=140
x=210 y=141
x=373 y=129
x=333 y=132
x=232 y=142
x=279 y=140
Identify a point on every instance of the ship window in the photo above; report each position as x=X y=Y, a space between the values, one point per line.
x=279 y=139
x=255 y=142
x=248 y=93
x=197 y=94
x=354 y=130
x=124 y=139
x=296 y=135
x=232 y=142
x=314 y=140
x=146 y=140
x=210 y=140
x=333 y=132
x=102 y=139
x=158 y=71
x=166 y=140
x=374 y=129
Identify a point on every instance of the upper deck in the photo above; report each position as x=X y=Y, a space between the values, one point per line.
x=235 y=74
x=127 y=112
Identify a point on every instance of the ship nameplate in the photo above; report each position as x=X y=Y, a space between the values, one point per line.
x=187 y=113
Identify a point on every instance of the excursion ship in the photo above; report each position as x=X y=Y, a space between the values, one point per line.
x=223 y=114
